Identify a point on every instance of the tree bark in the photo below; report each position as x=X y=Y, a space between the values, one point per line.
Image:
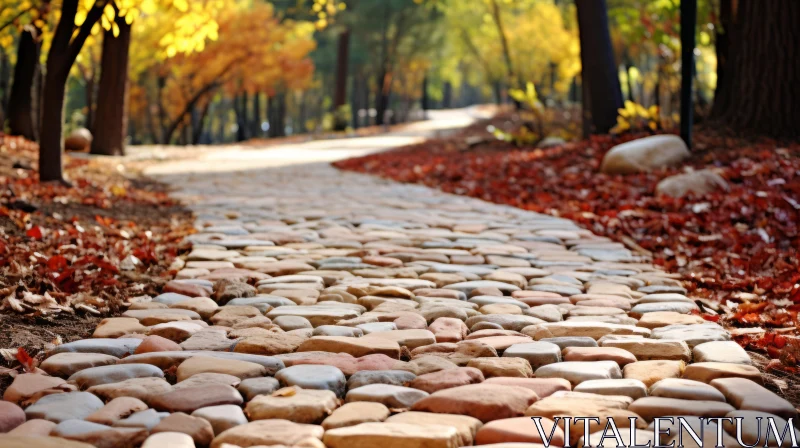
x=64 y=50
x=255 y=123
x=340 y=94
x=688 y=25
x=761 y=94
x=722 y=44
x=21 y=119
x=112 y=94
x=599 y=72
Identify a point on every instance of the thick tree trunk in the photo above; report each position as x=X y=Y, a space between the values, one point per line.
x=597 y=60
x=64 y=49
x=112 y=94
x=277 y=118
x=51 y=144
x=761 y=92
x=727 y=15
x=21 y=119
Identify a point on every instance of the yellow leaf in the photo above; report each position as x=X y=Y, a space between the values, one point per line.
x=115 y=29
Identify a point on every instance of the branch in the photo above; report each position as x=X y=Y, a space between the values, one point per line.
x=10 y=21
x=85 y=30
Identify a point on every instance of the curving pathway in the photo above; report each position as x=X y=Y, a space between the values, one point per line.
x=320 y=308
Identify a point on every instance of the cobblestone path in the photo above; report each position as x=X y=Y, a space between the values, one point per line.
x=328 y=309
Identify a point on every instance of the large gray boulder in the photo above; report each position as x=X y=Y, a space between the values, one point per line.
x=645 y=154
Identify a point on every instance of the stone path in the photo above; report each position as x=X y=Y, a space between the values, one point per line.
x=327 y=309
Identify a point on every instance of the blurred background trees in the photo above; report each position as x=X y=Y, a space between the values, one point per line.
x=216 y=71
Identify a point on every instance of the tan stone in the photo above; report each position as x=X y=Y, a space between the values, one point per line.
x=505 y=367
x=114 y=327
x=466 y=426
x=708 y=371
x=392 y=435
x=355 y=413
x=653 y=349
x=486 y=402
x=660 y=319
x=207 y=364
x=747 y=395
x=266 y=433
x=651 y=372
x=301 y=406
x=116 y=409
x=354 y=346
x=269 y=344
x=652 y=407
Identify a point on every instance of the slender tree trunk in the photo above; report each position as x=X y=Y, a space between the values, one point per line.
x=240 y=107
x=498 y=21
x=278 y=121
x=688 y=26
x=425 y=101
x=223 y=121
x=255 y=124
x=597 y=59
x=382 y=96
x=447 y=97
x=112 y=95
x=497 y=89
x=340 y=93
x=761 y=93
x=199 y=124
x=355 y=102
x=21 y=119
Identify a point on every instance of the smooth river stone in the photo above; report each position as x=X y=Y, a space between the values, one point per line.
x=207 y=364
x=60 y=407
x=536 y=353
x=354 y=346
x=355 y=413
x=721 y=351
x=577 y=371
x=388 y=377
x=190 y=399
x=390 y=396
x=485 y=402
x=114 y=347
x=303 y=406
x=685 y=390
x=267 y=433
x=317 y=377
x=96 y=376
x=391 y=435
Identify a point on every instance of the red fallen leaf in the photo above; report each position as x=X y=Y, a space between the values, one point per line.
x=28 y=363
x=34 y=232
x=57 y=263
x=711 y=317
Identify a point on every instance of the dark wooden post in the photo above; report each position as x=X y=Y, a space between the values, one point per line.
x=688 y=26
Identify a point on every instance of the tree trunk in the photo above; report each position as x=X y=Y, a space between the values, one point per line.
x=727 y=15
x=240 y=107
x=498 y=21
x=382 y=97
x=761 y=93
x=64 y=49
x=425 y=102
x=112 y=94
x=447 y=96
x=277 y=126
x=51 y=144
x=255 y=123
x=5 y=82
x=688 y=26
x=89 y=90
x=340 y=94
x=597 y=59
x=21 y=119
